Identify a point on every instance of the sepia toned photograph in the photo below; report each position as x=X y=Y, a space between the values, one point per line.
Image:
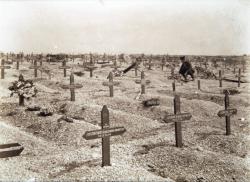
x=125 y=90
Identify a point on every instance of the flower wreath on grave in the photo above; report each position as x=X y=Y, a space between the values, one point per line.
x=23 y=88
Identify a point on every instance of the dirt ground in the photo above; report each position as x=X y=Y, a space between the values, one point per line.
x=55 y=149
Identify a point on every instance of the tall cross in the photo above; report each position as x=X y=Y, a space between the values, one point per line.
x=105 y=133
x=177 y=117
x=227 y=113
x=72 y=86
x=3 y=67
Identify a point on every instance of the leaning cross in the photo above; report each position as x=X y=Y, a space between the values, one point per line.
x=64 y=67
x=227 y=113
x=72 y=86
x=105 y=133
x=177 y=117
x=3 y=68
x=143 y=82
x=111 y=84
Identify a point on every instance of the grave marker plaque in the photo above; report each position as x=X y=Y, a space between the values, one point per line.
x=105 y=133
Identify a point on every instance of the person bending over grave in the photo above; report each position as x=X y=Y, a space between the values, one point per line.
x=186 y=69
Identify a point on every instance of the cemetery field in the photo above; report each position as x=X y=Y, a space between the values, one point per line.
x=55 y=149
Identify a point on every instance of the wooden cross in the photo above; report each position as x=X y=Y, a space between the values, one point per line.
x=177 y=117
x=35 y=67
x=72 y=86
x=64 y=67
x=143 y=82
x=227 y=113
x=111 y=84
x=3 y=67
x=90 y=68
x=105 y=133
x=220 y=78
x=18 y=59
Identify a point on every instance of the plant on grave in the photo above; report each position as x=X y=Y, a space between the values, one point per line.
x=25 y=89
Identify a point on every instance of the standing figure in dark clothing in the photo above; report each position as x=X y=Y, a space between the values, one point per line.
x=186 y=69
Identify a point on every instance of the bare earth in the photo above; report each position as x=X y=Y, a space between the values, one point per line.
x=56 y=150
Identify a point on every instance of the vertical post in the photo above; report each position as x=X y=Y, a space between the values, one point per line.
x=178 y=132
x=228 y=127
x=173 y=85
x=105 y=139
x=199 y=85
x=41 y=62
x=111 y=86
x=17 y=64
x=21 y=97
x=234 y=69
x=35 y=68
x=72 y=90
x=2 y=69
x=239 y=76
x=136 y=68
x=143 y=84
x=172 y=72
x=91 y=72
x=64 y=69
x=220 y=78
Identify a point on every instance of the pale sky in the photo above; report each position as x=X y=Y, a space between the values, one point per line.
x=201 y=27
